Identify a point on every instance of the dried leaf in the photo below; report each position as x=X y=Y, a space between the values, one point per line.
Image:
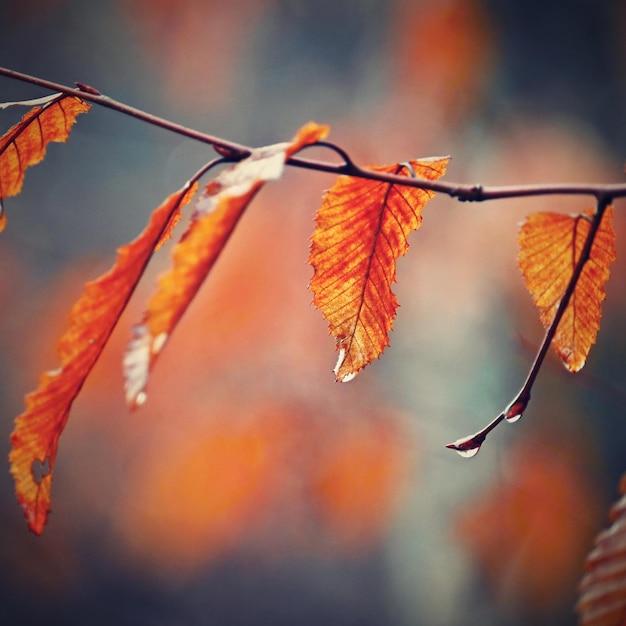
x=550 y=246
x=217 y=212
x=25 y=143
x=602 y=599
x=362 y=229
x=36 y=435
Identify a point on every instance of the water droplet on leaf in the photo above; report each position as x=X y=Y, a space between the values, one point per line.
x=515 y=410
x=346 y=377
x=467 y=447
x=467 y=454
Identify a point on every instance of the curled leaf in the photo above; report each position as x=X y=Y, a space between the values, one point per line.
x=35 y=439
x=218 y=211
x=550 y=247
x=25 y=143
x=361 y=229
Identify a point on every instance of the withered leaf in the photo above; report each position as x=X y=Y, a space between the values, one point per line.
x=218 y=211
x=25 y=143
x=35 y=438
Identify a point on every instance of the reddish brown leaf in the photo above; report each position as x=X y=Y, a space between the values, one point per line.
x=602 y=599
x=92 y=319
x=217 y=213
x=550 y=246
x=25 y=143
x=362 y=229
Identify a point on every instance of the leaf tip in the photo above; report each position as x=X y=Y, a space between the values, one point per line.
x=310 y=133
x=343 y=378
x=34 y=525
x=139 y=400
x=158 y=343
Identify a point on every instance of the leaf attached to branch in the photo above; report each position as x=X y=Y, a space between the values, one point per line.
x=362 y=228
x=217 y=213
x=550 y=246
x=36 y=435
x=25 y=143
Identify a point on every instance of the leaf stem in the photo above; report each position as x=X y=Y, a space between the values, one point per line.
x=519 y=404
x=335 y=148
x=236 y=152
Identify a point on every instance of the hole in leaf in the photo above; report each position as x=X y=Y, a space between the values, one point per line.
x=40 y=469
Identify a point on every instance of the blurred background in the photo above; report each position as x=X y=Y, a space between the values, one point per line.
x=252 y=489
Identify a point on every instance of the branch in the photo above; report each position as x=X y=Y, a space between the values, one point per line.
x=469 y=446
x=235 y=152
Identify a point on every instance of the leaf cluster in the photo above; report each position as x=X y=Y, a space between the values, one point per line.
x=361 y=229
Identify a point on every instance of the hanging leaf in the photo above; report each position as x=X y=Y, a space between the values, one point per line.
x=602 y=599
x=36 y=435
x=25 y=143
x=362 y=229
x=217 y=212
x=550 y=246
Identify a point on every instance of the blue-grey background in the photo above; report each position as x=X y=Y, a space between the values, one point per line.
x=515 y=92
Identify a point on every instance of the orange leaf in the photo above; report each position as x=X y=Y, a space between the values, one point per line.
x=25 y=143
x=550 y=246
x=362 y=229
x=92 y=319
x=603 y=589
x=217 y=212
x=175 y=217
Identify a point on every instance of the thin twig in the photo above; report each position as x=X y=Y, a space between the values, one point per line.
x=235 y=152
x=468 y=446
